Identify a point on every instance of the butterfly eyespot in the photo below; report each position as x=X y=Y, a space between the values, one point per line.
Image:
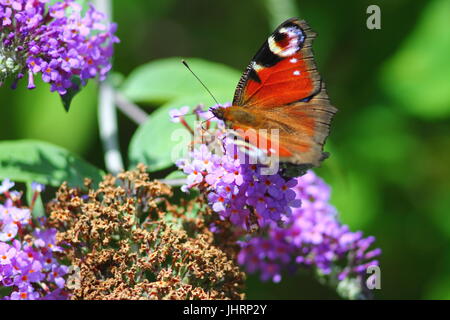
x=286 y=41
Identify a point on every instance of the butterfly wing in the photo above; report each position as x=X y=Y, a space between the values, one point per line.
x=283 y=89
x=302 y=129
x=282 y=71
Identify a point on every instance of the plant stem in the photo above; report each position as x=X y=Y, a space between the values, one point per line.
x=129 y=109
x=107 y=120
x=107 y=113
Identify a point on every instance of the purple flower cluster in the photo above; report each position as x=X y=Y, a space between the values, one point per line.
x=313 y=238
x=28 y=267
x=63 y=45
x=236 y=190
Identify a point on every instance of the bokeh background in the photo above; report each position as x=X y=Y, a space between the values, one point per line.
x=390 y=141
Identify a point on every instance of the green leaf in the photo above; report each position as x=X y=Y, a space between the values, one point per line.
x=417 y=77
x=175 y=175
x=164 y=80
x=72 y=131
x=71 y=93
x=28 y=161
x=159 y=142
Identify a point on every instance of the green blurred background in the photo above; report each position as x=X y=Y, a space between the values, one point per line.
x=390 y=141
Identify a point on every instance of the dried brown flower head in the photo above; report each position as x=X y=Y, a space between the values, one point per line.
x=126 y=241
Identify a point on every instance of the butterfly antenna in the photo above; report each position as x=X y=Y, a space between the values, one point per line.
x=204 y=86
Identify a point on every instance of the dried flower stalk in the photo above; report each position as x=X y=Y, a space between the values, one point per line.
x=127 y=241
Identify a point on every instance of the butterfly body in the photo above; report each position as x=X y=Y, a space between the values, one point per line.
x=281 y=90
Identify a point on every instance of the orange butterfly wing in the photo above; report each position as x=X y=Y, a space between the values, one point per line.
x=282 y=71
x=281 y=89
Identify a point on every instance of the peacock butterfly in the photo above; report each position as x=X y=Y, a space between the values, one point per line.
x=281 y=89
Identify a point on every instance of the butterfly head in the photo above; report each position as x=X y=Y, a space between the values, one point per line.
x=218 y=112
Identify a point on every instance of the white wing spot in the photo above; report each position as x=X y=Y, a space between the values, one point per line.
x=296 y=73
x=256 y=66
x=293 y=60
